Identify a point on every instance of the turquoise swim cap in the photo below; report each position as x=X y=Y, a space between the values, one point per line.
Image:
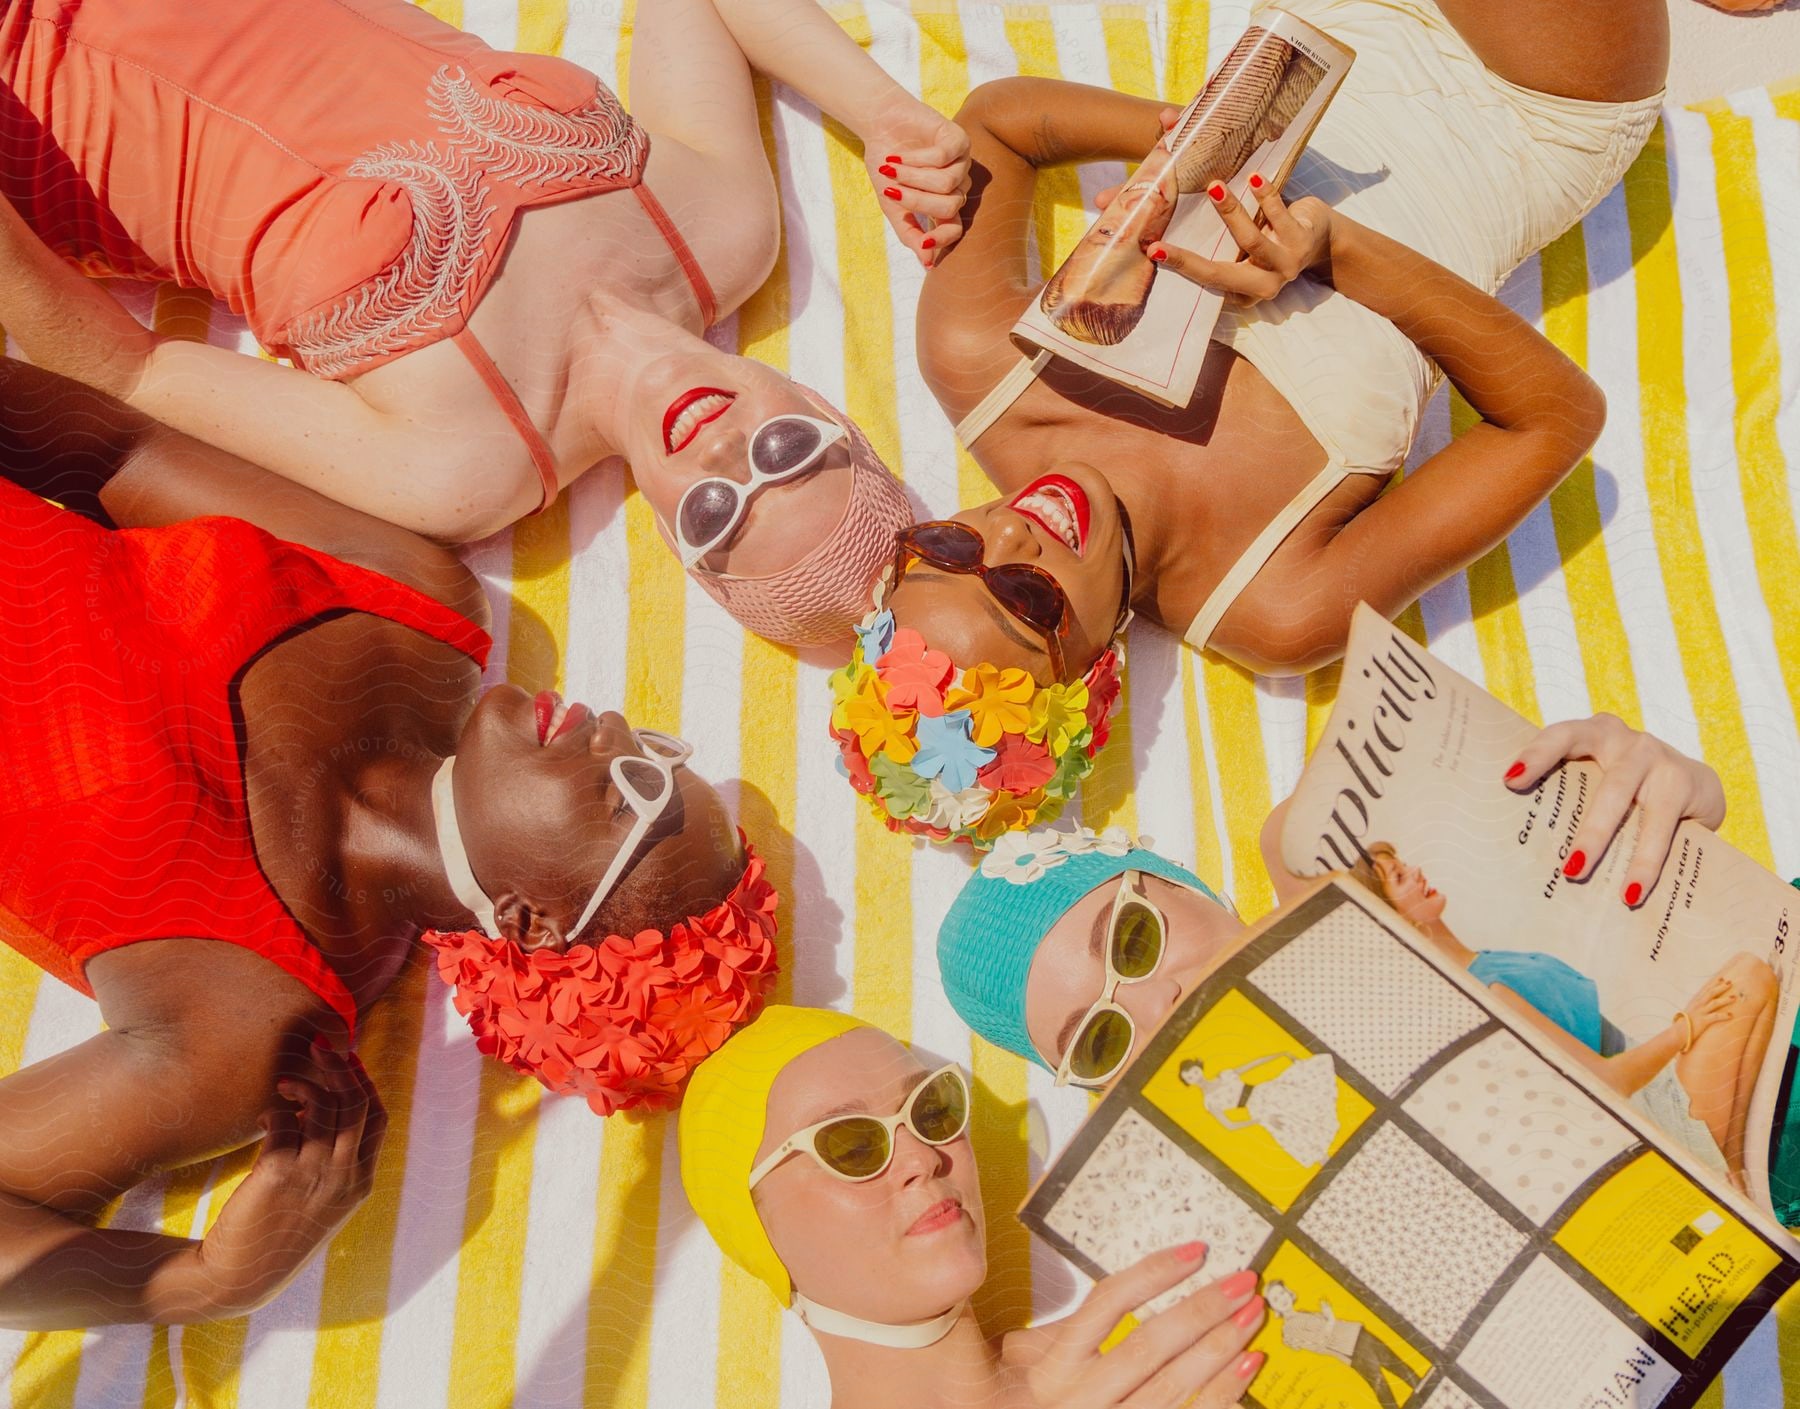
x=1022 y=888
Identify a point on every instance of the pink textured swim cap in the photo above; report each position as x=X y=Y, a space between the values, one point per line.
x=821 y=597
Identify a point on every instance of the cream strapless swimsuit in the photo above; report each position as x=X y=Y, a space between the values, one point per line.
x=1427 y=146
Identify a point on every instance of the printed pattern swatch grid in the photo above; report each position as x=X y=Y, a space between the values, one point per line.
x=518 y=1251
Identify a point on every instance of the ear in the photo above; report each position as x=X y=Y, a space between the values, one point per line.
x=528 y=924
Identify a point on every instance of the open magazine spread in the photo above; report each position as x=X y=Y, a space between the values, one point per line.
x=1408 y=770
x=1443 y=1211
x=1106 y=308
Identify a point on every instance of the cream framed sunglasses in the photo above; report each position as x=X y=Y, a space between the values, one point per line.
x=1137 y=939
x=857 y=1148
x=780 y=449
x=646 y=781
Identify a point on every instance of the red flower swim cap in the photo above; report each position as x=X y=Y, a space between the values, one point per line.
x=625 y=1020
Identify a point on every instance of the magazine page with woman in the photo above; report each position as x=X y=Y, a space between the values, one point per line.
x=1672 y=980
x=1105 y=309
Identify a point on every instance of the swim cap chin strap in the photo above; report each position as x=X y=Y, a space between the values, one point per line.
x=455 y=855
x=914 y=1335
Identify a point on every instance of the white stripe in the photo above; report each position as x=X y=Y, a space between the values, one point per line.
x=685 y=1308
x=1743 y=613
x=1619 y=483
x=428 y=1233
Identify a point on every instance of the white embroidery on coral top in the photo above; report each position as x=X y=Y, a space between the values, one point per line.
x=451 y=211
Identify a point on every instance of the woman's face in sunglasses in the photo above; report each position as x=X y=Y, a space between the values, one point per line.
x=903 y=1246
x=698 y=411
x=544 y=816
x=1068 y=972
x=1067 y=523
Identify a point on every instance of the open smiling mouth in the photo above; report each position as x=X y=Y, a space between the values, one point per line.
x=690 y=411
x=1059 y=506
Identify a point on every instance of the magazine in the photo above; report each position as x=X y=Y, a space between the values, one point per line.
x=1409 y=769
x=1444 y=1211
x=1105 y=308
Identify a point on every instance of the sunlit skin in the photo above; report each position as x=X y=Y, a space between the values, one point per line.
x=346 y=723
x=888 y=1250
x=813 y=1218
x=957 y=615
x=553 y=813
x=1068 y=973
x=784 y=521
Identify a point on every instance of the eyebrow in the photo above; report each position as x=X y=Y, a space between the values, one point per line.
x=1002 y=620
x=862 y=1107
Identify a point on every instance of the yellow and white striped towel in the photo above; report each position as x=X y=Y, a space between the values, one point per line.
x=516 y=1250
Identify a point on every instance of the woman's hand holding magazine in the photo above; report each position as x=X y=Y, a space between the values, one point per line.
x=1191 y=1354
x=1638 y=771
x=1292 y=240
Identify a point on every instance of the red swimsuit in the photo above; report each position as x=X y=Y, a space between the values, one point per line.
x=124 y=815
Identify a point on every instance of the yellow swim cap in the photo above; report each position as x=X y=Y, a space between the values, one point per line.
x=722 y=1121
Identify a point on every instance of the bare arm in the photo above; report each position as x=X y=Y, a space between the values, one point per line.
x=320 y=434
x=93 y=454
x=1016 y=126
x=1540 y=413
x=80 y=1127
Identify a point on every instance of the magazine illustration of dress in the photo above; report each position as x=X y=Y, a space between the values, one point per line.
x=1693 y=1079
x=1322 y=1332
x=1298 y=1107
x=1100 y=292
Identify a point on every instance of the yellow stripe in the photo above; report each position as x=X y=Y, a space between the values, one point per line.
x=43 y=1377
x=159 y=1373
x=1686 y=579
x=1128 y=60
x=1184 y=65
x=627 y=1199
x=19 y=981
x=1575 y=507
x=212 y=1353
x=1208 y=856
x=1057 y=211
x=359 y=1261
x=944 y=83
x=748 y=1366
x=1494 y=605
x=1756 y=379
x=882 y=982
x=449 y=11
x=1787 y=1346
x=543 y=25
x=997 y=1132
x=1243 y=773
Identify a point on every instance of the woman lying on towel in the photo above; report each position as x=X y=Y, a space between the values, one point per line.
x=1070 y=948
x=830 y=1163
x=250 y=765
x=1466 y=136
x=437 y=231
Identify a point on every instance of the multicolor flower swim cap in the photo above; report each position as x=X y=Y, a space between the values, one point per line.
x=962 y=753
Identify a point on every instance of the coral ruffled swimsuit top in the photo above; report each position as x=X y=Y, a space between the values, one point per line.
x=342 y=173
x=124 y=816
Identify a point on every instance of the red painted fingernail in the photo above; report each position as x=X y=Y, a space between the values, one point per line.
x=1256 y=182
x=891 y=157
x=1191 y=1252
x=1633 y=893
x=1238 y=1284
x=928 y=243
x=887 y=171
x=1159 y=254
x=1216 y=190
x=1250 y=1364
x=1515 y=770
x=1249 y=1315
x=1577 y=859
x=892 y=193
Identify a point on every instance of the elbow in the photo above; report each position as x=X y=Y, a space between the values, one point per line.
x=1586 y=416
x=467 y=500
